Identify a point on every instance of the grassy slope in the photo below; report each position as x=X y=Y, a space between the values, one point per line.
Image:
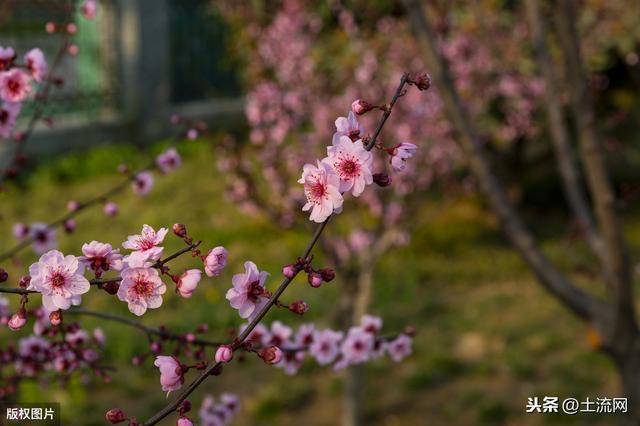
x=489 y=335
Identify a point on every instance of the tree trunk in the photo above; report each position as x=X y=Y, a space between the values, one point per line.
x=628 y=366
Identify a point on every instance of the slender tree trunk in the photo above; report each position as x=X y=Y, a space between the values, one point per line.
x=628 y=365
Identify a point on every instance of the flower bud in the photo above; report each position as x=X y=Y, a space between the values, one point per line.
x=111 y=287
x=289 y=271
x=299 y=307
x=180 y=230
x=184 y=421
x=360 y=107
x=115 y=415
x=315 y=279
x=382 y=179
x=56 y=317
x=72 y=205
x=3 y=275
x=422 y=81
x=50 y=27
x=271 y=355
x=71 y=28
x=224 y=354
x=327 y=274
x=18 y=320
x=24 y=281
x=69 y=226
x=110 y=209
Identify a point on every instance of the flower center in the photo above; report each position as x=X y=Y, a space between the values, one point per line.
x=317 y=190
x=57 y=280
x=41 y=236
x=14 y=85
x=348 y=168
x=255 y=291
x=358 y=346
x=142 y=287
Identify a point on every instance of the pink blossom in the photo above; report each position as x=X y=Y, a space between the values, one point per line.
x=371 y=324
x=168 y=161
x=271 y=355
x=147 y=242
x=89 y=9
x=400 y=154
x=171 y=373
x=20 y=230
x=99 y=337
x=77 y=337
x=291 y=362
x=142 y=289
x=192 y=134
x=352 y=163
x=399 y=348
x=259 y=334
x=17 y=321
x=184 y=421
x=8 y=114
x=59 y=279
x=101 y=257
x=110 y=209
x=224 y=354
x=43 y=237
x=36 y=64
x=357 y=346
x=215 y=261
x=248 y=293
x=280 y=335
x=321 y=187
x=188 y=282
x=142 y=183
x=325 y=347
x=6 y=54
x=305 y=334
x=349 y=127
x=14 y=85
x=360 y=106
x=73 y=49
x=34 y=347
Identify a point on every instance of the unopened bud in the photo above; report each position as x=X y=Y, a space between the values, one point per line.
x=184 y=421
x=315 y=279
x=55 y=317
x=271 y=355
x=360 y=107
x=3 y=275
x=111 y=287
x=289 y=271
x=327 y=274
x=299 y=307
x=18 y=320
x=224 y=354
x=24 y=281
x=422 y=81
x=382 y=179
x=69 y=226
x=180 y=230
x=115 y=415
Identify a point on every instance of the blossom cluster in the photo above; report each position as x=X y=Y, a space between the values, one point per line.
x=347 y=166
x=54 y=351
x=61 y=279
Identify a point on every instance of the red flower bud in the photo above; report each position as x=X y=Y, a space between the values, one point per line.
x=180 y=230
x=271 y=355
x=382 y=179
x=422 y=81
x=115 y=415
x=315 y=279
x=327 y=274
x=69 y=226
x=3 y=275
x=289 y=271
x=299 y=307
x=360 y=107
x=56 y=317
x=24 y=281
x=111 y=287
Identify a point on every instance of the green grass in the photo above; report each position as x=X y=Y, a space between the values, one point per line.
x=489 y=336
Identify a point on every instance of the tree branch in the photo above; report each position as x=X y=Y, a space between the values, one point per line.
x=171 y=407
x=581 y=303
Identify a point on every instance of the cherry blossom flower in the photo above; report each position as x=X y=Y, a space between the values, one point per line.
x=399 y=155
x=325 y=347
x=304 y=336
x=357 y=346
x=322 y=189
x=101 y=257
x=215 y=261
x=110 y=209
x=34 y=347
x=14 y=85
x=8 y=114
x=279 y=336
x=171 y=373
x=221 y=414
x=349 y=127
x=168 y=161
x=371 y=324
x=258 y=335
x=188 y=282
x=36 y=64
x=147 y=242
x=352 y=163
x=399 y=348
x=142 y=289
x=291 y=362
x=142 y=183
x=59 y=279
x=89 y=9
x=248 y=294
x=44 y=237
x=77 y=337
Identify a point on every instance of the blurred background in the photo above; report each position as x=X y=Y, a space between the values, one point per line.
x=262 y=83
